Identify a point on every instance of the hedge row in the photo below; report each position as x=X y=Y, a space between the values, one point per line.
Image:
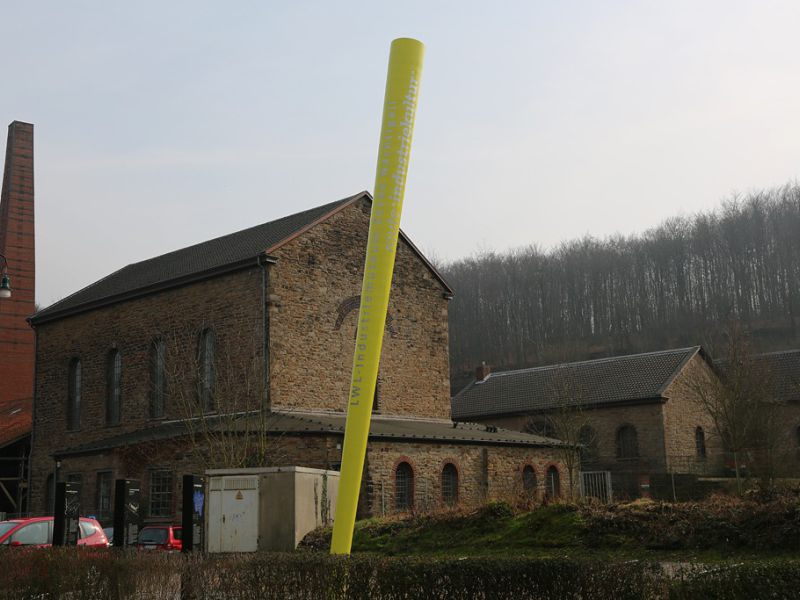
x=61 y=573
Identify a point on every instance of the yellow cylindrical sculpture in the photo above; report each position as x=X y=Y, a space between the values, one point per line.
x=399 y=110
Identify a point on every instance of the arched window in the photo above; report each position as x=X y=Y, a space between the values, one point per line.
x=404 y=487
x=587 y=438
x=450 y=484
x=113 y=387
x=206 y=356
x=627 y=442
x=553 y=483
x=74 y=395
x=376 y=398
x=700 y=443
x=158 y=378
x=529 y=481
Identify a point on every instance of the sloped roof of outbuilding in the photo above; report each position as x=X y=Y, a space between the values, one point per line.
x=782 y=371
x=314 y=423
x=618 y=379
x=15 y=420
x=219 y=255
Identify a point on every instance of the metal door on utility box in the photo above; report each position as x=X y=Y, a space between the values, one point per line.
x=233 y=514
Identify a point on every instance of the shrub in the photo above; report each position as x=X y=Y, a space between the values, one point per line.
x=78 y=574
x=776 y=580
x=57 y=573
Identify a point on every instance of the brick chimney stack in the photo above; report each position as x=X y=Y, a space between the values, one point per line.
x=17 y=245
x=482 y=371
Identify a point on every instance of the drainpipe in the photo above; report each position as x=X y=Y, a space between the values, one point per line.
x=263 y=261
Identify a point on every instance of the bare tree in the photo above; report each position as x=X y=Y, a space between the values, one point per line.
x=635 y=293
x=567 y=421
x=739 y=400
x=217 y=383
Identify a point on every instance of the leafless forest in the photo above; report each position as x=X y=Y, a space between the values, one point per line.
x=677 y=284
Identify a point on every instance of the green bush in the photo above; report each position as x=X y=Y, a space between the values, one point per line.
x=73 y=574
x=721 y=523
x=776 y=580
x=57 y=573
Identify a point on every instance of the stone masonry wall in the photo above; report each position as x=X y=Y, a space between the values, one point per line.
x=684 y=412
x=313 y=292
x=312 y=299
x=484 y=472
x=177 y=456
x=229 y=304
x=646 y=418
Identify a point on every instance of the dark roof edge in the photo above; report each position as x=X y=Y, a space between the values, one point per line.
x=449 y=291
x=38 y=319
x=322 y=430
x=679 y=368
x=455 y=440
x=366 y=195
x=249 y=262
x=17 y=439
x=344 y=204
x=541 y=411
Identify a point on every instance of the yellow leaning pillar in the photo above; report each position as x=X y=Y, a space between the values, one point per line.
x=399 y=110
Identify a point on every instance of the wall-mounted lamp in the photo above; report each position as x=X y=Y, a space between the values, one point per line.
x=5 y=282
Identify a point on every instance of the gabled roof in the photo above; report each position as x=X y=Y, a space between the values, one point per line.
x=15 y=420
x=782 y=370
x=620 y=379
x=223 y=254
x=319 y=423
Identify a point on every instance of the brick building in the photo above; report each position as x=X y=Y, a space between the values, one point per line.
x=639 y=416
x=150 y=372
x=16 y=338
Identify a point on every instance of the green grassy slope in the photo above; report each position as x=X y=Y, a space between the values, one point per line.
x=692 y=531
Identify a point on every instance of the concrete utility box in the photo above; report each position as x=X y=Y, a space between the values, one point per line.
x=267 y=508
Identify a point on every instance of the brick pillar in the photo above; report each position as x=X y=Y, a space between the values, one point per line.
x=17 y=244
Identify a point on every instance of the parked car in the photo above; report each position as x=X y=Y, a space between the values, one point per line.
x=160 y=537
x=38 y=531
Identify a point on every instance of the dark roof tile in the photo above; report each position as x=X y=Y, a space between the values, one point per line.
x=193 y=260
x=591 y=382
x=381 y=428
x=783 y=371
x=15 y=419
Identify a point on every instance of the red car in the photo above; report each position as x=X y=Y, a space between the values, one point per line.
x=38 y=531
x=160 y=537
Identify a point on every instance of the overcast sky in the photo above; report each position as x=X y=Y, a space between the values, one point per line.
x=161 y=124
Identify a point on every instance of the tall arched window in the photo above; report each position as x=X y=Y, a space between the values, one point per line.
x=74 y=395
x=113 y=387
x=587 y=438
x=450 y=484
x=627 y=442
x=376 y=398
x=158 y=378
x=700 y=443
x=529 y=481
x=553 y=483
x=206 y=360
x=404 y=487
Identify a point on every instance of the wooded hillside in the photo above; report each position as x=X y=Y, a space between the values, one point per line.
x=677 y=284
